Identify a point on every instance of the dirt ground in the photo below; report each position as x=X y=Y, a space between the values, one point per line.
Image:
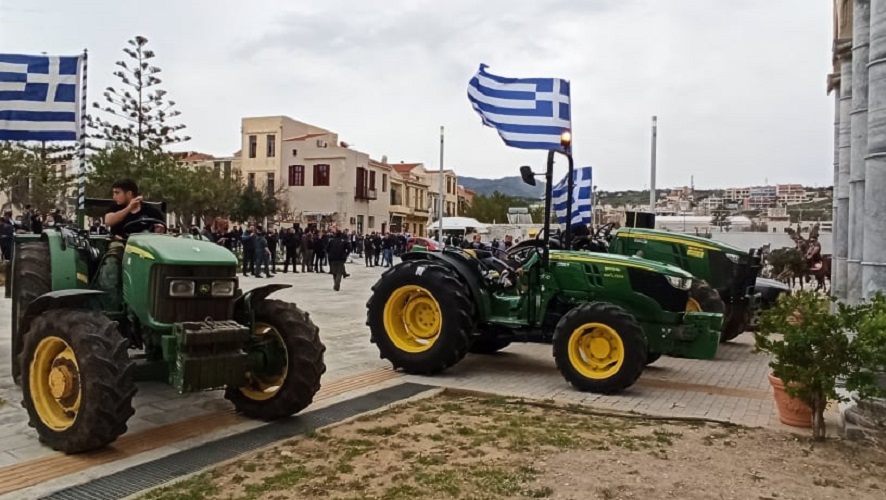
x=472 y=447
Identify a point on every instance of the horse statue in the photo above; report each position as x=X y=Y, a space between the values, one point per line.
x=818 y=266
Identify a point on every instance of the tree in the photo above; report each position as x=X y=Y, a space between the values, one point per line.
x=720 y=218
x=494 y=208
x=255 y=204
x=30 y=174
x=140 y=112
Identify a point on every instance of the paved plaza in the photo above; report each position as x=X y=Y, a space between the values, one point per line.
x=733 y=387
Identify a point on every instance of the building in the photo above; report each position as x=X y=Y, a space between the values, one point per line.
x=737 y=194
x=791 y=194
x=320 y=180
x=410 y=197
x=761 y=198
x=465 y=199
x=450 y=188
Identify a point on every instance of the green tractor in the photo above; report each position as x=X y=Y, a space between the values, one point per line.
x=727 y=276
x=607 y=316
x=180 y=318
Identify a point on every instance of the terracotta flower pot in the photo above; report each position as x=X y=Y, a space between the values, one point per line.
x=791 y=411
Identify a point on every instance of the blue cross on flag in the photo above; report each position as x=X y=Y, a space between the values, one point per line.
x=39 y=97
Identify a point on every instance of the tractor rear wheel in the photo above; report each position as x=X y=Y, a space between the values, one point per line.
x=652 y=357
x=599 y=347
x=76 y=379
x=735 y=321
x=288 y=343
x=31 y=279
x=420 y=316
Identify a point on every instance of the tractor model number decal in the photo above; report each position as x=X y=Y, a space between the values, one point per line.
x=613 y=272
x=698 y=253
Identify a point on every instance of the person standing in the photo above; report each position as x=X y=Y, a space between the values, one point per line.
x=307 y=252
x=272 y=248
x=319 y=251
x=290 y=245
x=337 y=252
x=248 y=241
x=367 y=249
x=262 y=254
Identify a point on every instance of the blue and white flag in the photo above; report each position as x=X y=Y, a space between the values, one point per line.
x=39 y=98
x=528 y=113
x=582 y=192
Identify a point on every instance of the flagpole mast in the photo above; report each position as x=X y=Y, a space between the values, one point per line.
x=81 y=180
x=440 y=195
x=652 y=167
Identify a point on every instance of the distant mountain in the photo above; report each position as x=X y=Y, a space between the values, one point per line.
x=511 y=186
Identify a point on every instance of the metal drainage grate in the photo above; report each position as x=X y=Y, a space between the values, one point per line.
x=149 y=474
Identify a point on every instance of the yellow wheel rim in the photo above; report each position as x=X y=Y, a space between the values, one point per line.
x=692 y=306
x=264 y=387
x=413 y=319
x=596 y=351
x=54 y=381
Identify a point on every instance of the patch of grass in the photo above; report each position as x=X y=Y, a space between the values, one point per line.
x=282 y=480
x=664 y=436
x=195 y=488
x=248 y=467
x=431 y=460
x=445 y=481
x=402 y=492
x=390 y=430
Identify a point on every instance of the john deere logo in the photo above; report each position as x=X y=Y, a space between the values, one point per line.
x=204 y=288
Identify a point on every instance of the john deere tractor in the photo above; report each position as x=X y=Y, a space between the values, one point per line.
x=607 y=316
x=180 y=317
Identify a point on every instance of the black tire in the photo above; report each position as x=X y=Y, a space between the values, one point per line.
x=706 y=297
x=103 y=374
x=735 y=321
x=488 y=345
x=652 y=357
x=300 y=337
x=31 y=278
x=451 y=336
x=625 y=327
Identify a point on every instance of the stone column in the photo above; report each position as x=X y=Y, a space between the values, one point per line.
x=858 y=146
x=841 y=189
x=874 y=263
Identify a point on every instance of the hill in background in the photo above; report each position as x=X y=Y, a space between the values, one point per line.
x=510 y=186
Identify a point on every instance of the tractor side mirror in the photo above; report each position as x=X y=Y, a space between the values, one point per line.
x=527 y=175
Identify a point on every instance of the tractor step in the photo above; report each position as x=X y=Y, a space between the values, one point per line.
x=206 y=355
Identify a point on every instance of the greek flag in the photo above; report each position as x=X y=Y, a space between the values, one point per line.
x=528 y=113
x=581 y=197
x=39 y=98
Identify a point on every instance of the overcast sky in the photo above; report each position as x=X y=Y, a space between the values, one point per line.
x=738 y=86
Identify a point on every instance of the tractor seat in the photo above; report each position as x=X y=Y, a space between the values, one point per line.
x=490 y=261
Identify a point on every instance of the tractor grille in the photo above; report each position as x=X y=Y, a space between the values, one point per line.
x=733 y=280
x=656 y=287
x=166 y=309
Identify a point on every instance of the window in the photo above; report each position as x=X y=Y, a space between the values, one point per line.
x=321 y=175
x=371 y=180
x=250 y=179
x=371 y=223
x=227 y=170
x=253 y=145
x=294 y=153
x=384 y=183
x=272 y=145
x=296 y=175
x=269 y=183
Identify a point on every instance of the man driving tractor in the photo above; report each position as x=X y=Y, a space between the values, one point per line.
x=125 y=216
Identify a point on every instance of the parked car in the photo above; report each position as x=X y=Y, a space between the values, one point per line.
x=425 y=242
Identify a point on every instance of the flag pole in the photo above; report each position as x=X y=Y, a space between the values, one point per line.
x=440 y=195
x=652 y=166
x=81 y=179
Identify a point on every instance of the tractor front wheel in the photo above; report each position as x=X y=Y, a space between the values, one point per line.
x=703 y=298
x=287 y=357
x=735 y=321
x=31 y=278
x=599 y=347
x=76 y=380
x=420 y=316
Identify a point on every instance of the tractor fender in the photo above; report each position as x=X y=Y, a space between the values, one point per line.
x=770 y=290
x=75 y=298
x=244 y=304
x=470 y=275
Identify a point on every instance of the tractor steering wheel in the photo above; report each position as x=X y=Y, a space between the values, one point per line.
x=147 y=224
x=604 y=231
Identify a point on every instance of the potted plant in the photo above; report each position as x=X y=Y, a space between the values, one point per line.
x=812 y=347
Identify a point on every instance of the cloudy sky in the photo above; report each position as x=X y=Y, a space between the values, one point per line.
x=738 y=86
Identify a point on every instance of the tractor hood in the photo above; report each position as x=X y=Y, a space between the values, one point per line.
x=165 y=249
x=682 y=239
x=619 y=260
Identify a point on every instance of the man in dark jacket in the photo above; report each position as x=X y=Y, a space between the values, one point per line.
x=290 y=242
x=272 y=247
x=336 y=253
x=307 y=252
x=248 y=241
x=262 y=254
x=320 y=241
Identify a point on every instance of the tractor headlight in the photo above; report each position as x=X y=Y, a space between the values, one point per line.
x=733 y=257
x=223 y=288
x=678 y=282
x=181 y=288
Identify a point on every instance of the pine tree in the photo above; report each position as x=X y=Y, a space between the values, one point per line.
x=140 y=112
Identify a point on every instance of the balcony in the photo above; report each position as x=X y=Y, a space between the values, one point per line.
x=365 y=194
x=401 y=210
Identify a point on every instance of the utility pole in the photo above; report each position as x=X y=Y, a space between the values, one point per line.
x=440 y=195
x=652 y=168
